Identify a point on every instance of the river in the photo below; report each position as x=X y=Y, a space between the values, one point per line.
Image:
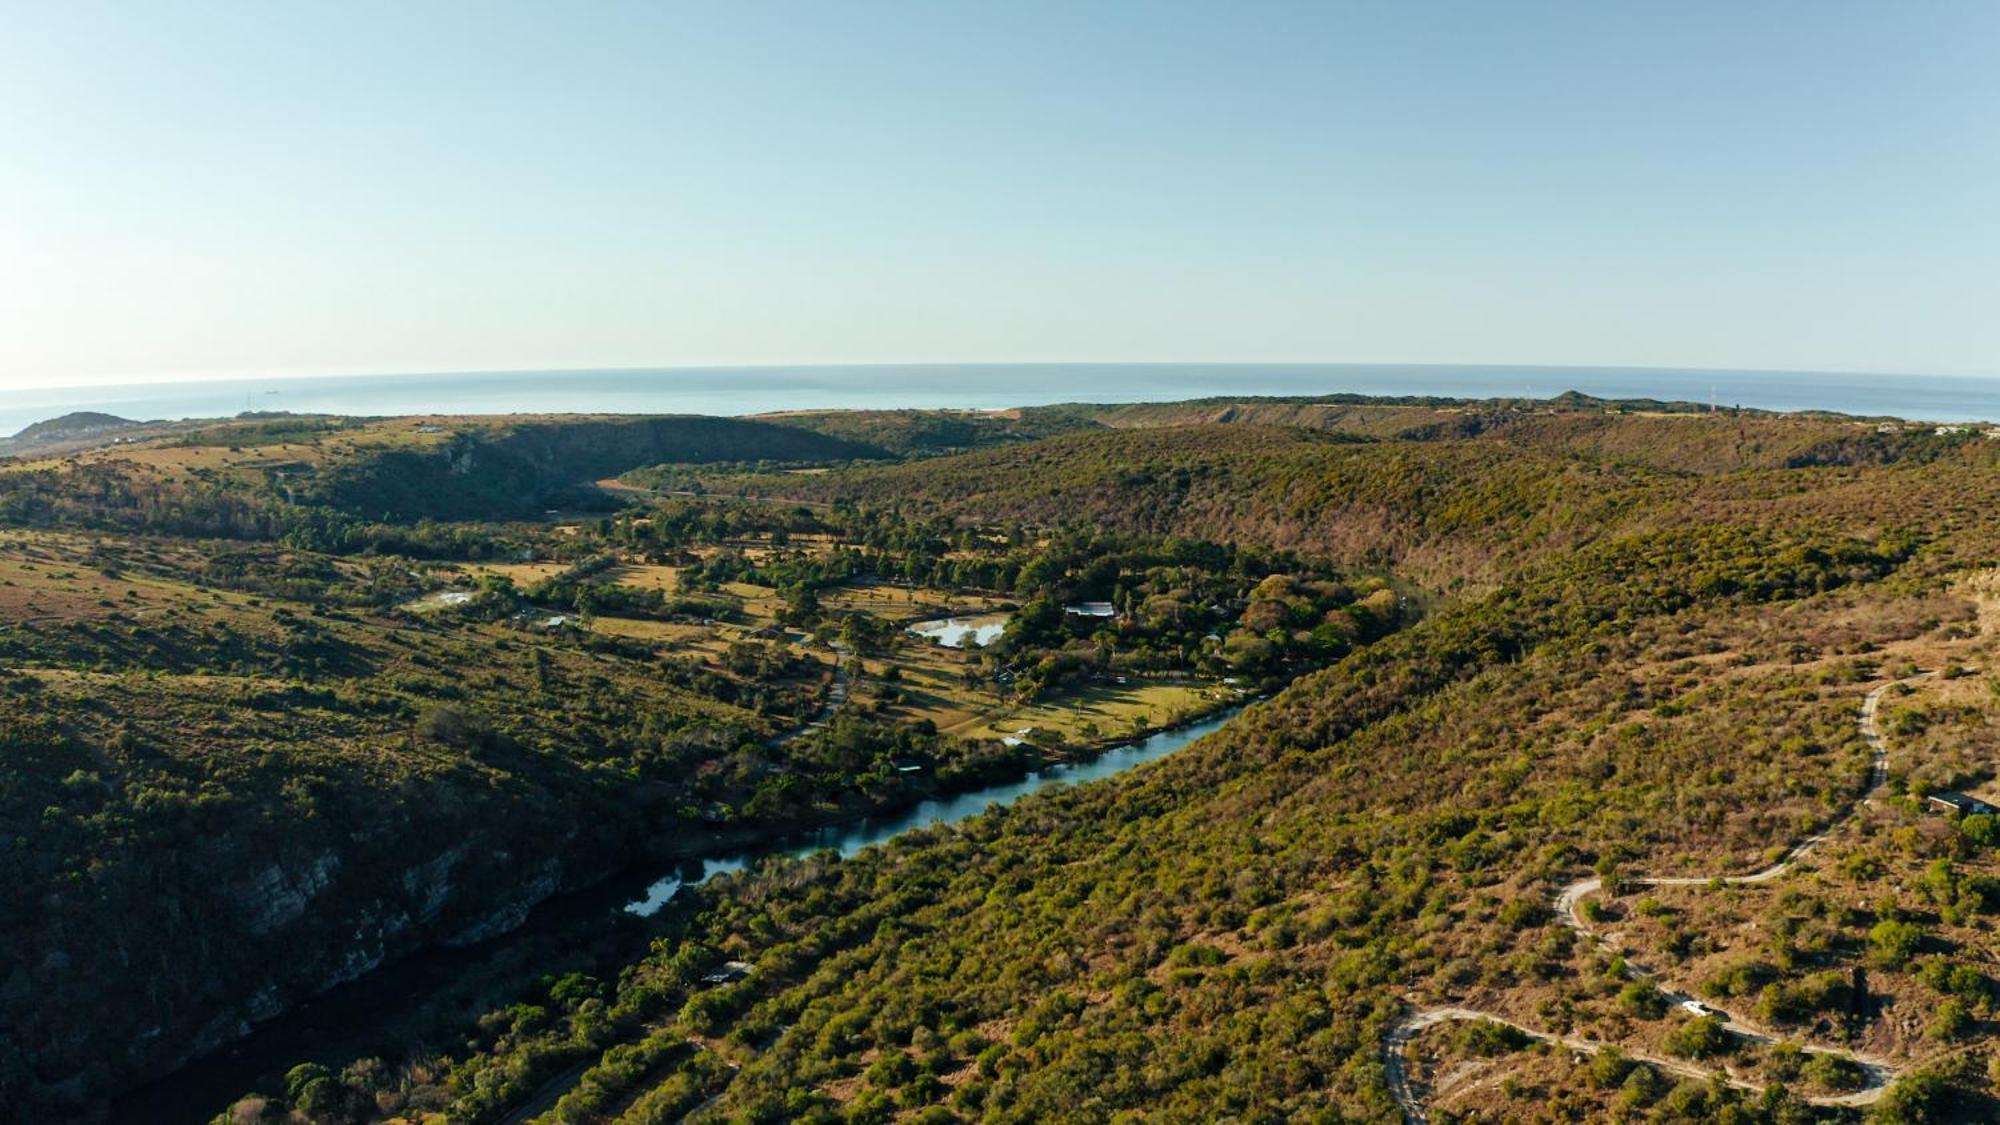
x=851 y=836
x=343 y=1021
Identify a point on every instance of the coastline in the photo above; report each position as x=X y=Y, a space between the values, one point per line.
x=744 y=391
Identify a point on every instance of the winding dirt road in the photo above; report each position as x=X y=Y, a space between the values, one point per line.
x=836 y=697
x=1568 y=908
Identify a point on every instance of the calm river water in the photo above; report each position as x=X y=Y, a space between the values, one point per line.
x=851 y=836
x=341 y=1020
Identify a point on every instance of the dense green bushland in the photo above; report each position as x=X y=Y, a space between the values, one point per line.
x=1226 y=931
x=1644 y=642
x=1679 y=437
x=1230 y=931
x=930 y=433
x=523 y=468
x=272 y=774
x=304 y=480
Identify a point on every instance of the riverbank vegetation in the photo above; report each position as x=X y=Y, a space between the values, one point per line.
x=246 y=769
x=1505 y=646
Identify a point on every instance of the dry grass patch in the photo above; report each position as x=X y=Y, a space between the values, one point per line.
x=657 y=632
x=906 y=602
x=521 y=573
x=645 y=576
x=1103 y=711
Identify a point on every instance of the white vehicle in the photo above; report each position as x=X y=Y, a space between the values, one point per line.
x=1698 y=1008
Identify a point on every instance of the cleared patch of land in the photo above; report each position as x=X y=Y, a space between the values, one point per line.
x=521 y=573
x=1101 y=711
x=907 y=602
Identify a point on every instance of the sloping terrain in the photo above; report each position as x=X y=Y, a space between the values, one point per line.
x=1679 y=437
x=931 y=433
x=1447 y=511
x=219 y=801
x=239 y=768
x=1630 y=667
x=257 y=478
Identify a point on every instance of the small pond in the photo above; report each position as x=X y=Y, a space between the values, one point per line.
x=961 y=632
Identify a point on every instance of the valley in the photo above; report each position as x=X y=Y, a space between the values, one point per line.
x=1580 y=759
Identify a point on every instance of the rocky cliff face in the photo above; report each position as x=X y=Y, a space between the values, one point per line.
x=159 y=955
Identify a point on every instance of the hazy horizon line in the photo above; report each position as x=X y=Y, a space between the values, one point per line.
x=454 y=372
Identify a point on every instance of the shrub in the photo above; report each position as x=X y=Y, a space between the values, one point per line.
x=1917 y=1098
x=1491 y=1037
x=1891 y=943
x=1699 y=1038
x=1643 y=999
x=1833 y=1072
x=1521 y=913
x=1980 y=830
x=1791 y=1002
x=1609 y=1068
x=1784 y=1061
x=1740 y=979
x=1642 y=1087
x=451 y=726
x=1952 y=1021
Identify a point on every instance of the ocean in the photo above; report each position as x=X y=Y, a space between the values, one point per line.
x=756 y=390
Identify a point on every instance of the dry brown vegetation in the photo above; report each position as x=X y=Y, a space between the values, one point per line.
x=1646 y=643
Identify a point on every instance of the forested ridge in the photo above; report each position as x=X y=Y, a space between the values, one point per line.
x=1228 y=931
x=1450 y=511
x=1510 y=647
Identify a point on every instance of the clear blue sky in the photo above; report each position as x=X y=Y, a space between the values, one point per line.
x=290 y=187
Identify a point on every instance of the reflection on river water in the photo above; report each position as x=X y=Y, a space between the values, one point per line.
x=851 y=836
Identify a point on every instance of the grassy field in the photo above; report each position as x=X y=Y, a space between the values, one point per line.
x=905 y=603
x=238 y=447
x=521 y=574
x=58 y=577
x=930 y=679
x=759 y=603
x=1102 y=712
x=646 y=577
x=933 y=687
x=666 y=633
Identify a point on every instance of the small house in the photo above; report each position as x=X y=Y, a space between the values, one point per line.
x=1965 y=804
